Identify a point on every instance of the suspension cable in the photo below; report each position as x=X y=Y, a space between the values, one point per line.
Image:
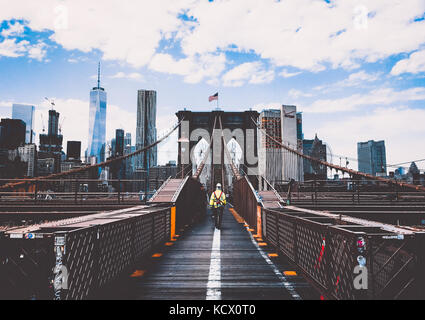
x=336 y=167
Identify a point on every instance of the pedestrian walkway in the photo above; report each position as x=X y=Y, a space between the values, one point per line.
x=227 y=264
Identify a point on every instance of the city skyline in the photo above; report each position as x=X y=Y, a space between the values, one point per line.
x=361 y=86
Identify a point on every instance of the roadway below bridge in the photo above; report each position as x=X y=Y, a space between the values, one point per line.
x=204 y=263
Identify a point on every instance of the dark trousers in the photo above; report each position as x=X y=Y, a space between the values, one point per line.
x=218 y=216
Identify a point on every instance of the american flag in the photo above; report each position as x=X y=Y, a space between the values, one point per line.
x=213 y=97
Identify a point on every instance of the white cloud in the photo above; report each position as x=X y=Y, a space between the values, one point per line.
x=131 y=76
x=402 y=129
x=194 y=68
x=14 y=29
x=5 y=104
x=13 y=49
x=357 y=79
x=284 y=73
x=307 y=34
x=293 y=93
x=5 y=109
x=414 y=64
x=384 y=96
x=248 y=72
x=129 y=31
x=37 y=51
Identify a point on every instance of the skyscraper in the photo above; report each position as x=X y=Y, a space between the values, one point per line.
x=51 y=144
x=316 y=149
x=127 y=139
x=26 y=114
x=73 y=150
x=291 y=132
x=53 y=123
x=270 y=155
x=28 y=154
x=146 y=127
x=97 y=122
x=119 y=142
x=12 y=133
x=372 y=158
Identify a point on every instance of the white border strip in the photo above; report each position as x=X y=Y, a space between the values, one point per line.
x=281 y=277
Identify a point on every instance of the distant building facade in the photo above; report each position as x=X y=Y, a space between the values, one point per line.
x=292 y=165
x=51 y=146
x=46 y=166
x=158 y=174
x=12 y=133
x=127 y=139
x=28 y=154
x=130 y=163
x=146 y=127
x=317 y=149
x=25 y=113
x=270 y=155
x=372 y=157
x=73 y=150
x=285 y=127
x=119 y=142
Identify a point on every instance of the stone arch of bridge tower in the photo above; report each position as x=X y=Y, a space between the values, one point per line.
x=231 y=121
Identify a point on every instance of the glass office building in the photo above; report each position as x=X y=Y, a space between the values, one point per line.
x=97 y=123
x=372 y=158
x=26 y=114
x=146 y=127
x=119 y=142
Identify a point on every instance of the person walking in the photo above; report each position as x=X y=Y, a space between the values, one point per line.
x=217 y=203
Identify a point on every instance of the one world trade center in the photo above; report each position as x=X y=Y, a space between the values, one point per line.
x=97 y=123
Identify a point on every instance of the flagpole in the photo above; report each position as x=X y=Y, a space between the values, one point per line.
x=218 y=95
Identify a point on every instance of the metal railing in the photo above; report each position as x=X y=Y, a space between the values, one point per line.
x=74 y=258
x=246 y=201
x=332 y=250
x=328 y=248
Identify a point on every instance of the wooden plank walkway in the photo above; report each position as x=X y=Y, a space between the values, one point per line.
x=219 y=265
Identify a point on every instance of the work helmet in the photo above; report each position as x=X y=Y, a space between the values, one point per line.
x=218 y=186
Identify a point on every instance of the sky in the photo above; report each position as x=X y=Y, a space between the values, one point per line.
x=356 y=69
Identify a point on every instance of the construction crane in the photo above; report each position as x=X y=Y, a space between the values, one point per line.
x=42 y=123
x=51 y=101
x=61 y=125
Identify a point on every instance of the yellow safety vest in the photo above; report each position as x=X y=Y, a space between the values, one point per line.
x=218 y=200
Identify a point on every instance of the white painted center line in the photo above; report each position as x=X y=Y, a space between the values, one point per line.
x=214 y=277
